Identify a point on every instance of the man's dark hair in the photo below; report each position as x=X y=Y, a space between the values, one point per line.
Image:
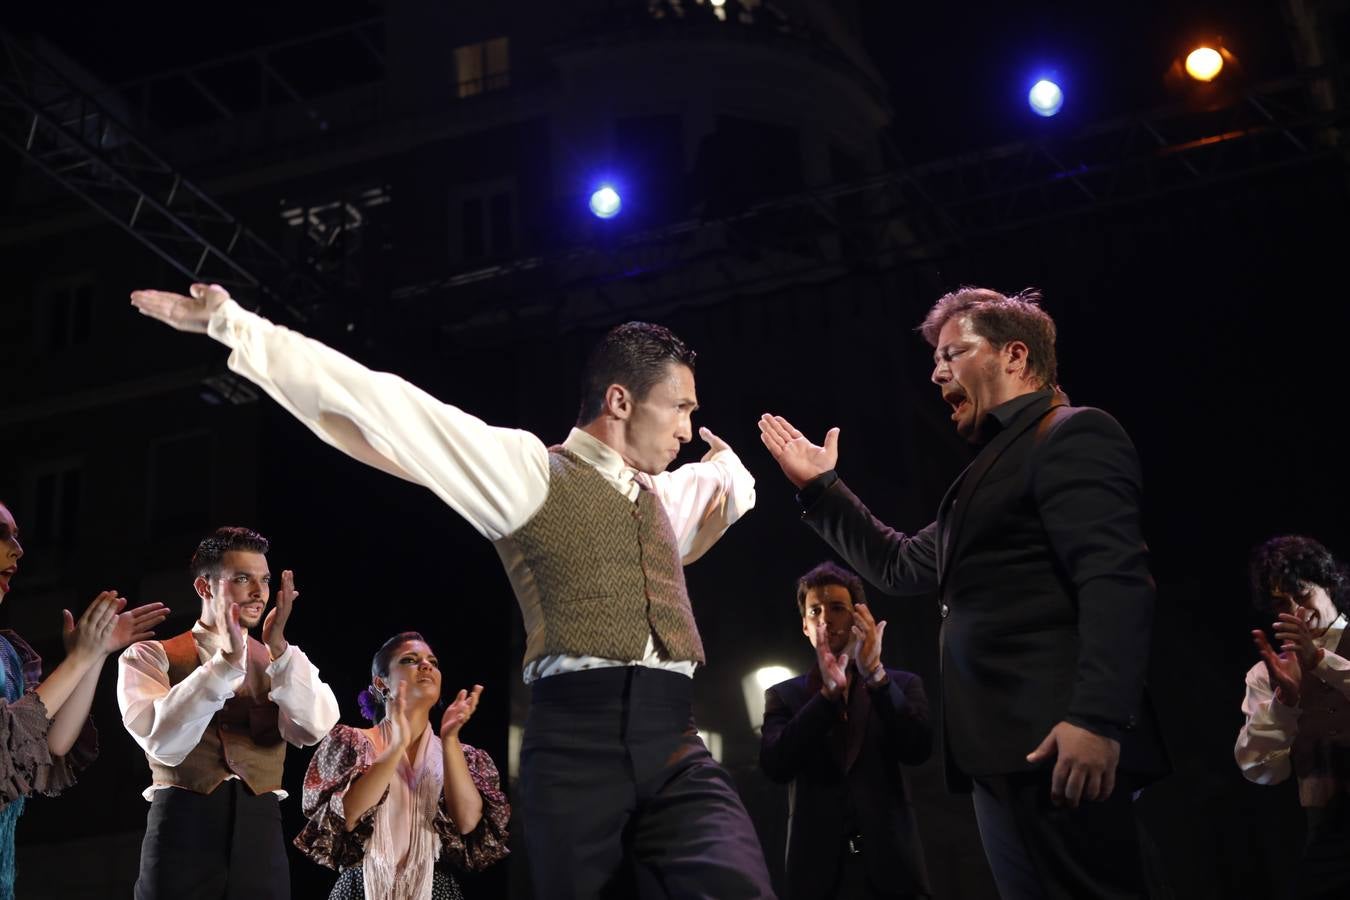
x=206 y=560
x=1279 y=564
x=371 y=703
x=634 y=355
x=1000 y=319
x=829 y=573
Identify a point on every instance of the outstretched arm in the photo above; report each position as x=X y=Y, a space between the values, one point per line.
x=496 y=478
x=897 y=563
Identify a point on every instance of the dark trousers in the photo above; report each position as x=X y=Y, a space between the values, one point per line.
x=621 y=797
x=853 y=882
x=1038 y=851
x=226 y=845
x=1324 y=871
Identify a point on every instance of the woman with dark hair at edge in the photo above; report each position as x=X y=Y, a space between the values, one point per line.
x=385 y=804
x=46 y=735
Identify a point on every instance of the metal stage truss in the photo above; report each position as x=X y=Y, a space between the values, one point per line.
x=910 y=214
x=73 y=138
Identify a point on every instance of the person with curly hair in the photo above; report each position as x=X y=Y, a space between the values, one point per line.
x=1297 y=715
x=389 y=806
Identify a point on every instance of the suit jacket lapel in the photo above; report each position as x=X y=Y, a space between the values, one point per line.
x=952 y=517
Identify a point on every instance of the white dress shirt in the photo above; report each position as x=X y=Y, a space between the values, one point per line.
x=495 y=478
x=168 y=722
x=1264 y=742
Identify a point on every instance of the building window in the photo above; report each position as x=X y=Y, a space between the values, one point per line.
x=65 y=315
x=486 y=222
x=55 y=507
x=483 y=67
x=180 y=485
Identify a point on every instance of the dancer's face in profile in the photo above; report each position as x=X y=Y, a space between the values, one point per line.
x=416 y=666
x=243 y=578
x=833 y=605
x=661 y=421
x=10 y=549
x=969 y=370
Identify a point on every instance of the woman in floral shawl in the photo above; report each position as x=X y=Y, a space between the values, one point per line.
x=46 y=736
x=386 y=803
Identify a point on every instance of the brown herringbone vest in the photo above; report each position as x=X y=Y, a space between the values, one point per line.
x=598 y=573
x=242 y=738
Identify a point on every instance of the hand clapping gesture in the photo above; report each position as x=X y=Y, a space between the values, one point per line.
x=91 y=637
x=397 y=718
x=867 y=631
x=1284 y=670
x=833 y=669
x=458 y=713
x=274 y=626
x=1297 y=638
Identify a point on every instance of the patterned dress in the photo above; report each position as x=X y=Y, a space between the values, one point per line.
x=342 y=758
x=26 y=765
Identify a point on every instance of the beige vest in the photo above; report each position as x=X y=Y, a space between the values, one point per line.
x=242 y=738
x=595 y=573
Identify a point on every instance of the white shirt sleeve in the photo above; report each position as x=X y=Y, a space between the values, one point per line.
x=1264 y=741
x=168 y=721
x=704 y=499
x=307 y=708
x=496 y=478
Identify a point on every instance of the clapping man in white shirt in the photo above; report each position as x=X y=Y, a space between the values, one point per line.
x=214 y=709
x=1296 y=705
x=594 y=534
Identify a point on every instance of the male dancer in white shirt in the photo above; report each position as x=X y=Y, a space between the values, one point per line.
x=214 y=709
x=594 y=535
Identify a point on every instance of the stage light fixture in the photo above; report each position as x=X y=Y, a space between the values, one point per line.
x=606 y=202
x=1045 y=98
x=1204 y=63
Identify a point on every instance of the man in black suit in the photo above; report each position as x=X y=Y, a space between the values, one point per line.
x=839 y=734
x=1047 y=600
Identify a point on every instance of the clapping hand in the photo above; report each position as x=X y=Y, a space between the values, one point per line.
x=92 y=636
x=274 y=626
x=1296 y=637
x=1283 y=669
x=459 y=712
x=833 y=669
x=396 y=717
x=867 y=631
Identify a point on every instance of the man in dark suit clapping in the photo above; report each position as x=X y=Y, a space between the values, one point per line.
x=839 y=735
x=1047 y=602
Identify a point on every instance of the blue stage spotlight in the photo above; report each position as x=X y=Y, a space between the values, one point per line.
x=1045 y=98
x=605 y=202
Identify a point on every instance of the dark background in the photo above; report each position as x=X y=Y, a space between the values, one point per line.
x=1211 y=321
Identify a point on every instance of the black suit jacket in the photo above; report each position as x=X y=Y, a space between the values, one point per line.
x=1042 y=570
x=845 y=779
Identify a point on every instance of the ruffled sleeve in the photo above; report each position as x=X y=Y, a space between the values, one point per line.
x=343 y=756
x=27 y=765
x=486 y=844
